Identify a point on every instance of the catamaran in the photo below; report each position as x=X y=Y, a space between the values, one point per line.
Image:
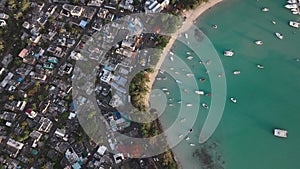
x=228 y=53
x=280 y=133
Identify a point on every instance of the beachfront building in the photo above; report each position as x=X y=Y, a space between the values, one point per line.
x=153 y=6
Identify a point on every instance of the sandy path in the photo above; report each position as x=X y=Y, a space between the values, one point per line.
x=191 y=16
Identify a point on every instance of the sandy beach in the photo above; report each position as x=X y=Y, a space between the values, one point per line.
x=191 y=16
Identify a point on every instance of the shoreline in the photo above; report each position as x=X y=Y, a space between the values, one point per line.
x=191 y=16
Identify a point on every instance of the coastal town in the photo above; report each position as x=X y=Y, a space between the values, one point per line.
x=40 y=43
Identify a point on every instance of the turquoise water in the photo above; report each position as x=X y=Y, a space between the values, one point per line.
x=267 y=98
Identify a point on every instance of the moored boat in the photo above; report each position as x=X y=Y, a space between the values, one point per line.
x=294 y=24
x=280 y=133
x=237 y=72
x=279 y=35
x=233 y=99
x=189 y=105
x=265 y=9
x=178 y=81
x=190 y=75
x=260 y=66
x=192 y=144
x=199 y=92
x=202 y=79
x=205 y=105
x=290 y=6
x=259 y=42
x=188 y=53
x=190 y=57
x=187 y=138
x=228 y=53
x=164 y=89
x=171 y=58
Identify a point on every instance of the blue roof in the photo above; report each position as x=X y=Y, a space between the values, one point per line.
x=118 y=115
x=83 y=23
x=20 y=79
x=76 y=166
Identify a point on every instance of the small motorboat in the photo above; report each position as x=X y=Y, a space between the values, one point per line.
x=180 y=136
x=199 y=92
x=188 y=53
x=280 y=133
x=179 y=101
x=215 y=26
x=178 y=81
x=190 y=57
x=274 y=22
x=192 y=144
x=294 y=24
x=295 y=12
x=164 y=89
x=292 y=1
x=205 y=105
x=177 y=73
x=190 y=75
x=171 y=105
x=189 y=105
x=171 y=58
x=260 y=66
x=237 y=72
x=233 y=99
x=167 y=93
x=291 y=6
x=259 y=42
x=265 y=9
x=171 y=53
x=187 y=138
x=202 y=79
x=228 y=53
x=279 y=35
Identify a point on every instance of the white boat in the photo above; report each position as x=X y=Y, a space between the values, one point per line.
x=171 y=105
x=187 y=138
x=265 y=9
x=292 y=1
x=294 y=9
x=259 y=42
x=171 y=58
x=237 y=72
x=228 y=53
x=205 y=105
x=179 y=102
x=260 y=66
x=190 y=75
x=188 y=53
x=158 y=78
x=171 y=53
x=280 y=133
x=190 y=57
x=180 y=136
x=233 y=99
x=274 y=22
x=279 y=35
x=192 y=144
x=186 y=35
x=178 y=81
x=295 y=12
x=290 y=6
x=189 y=105
x=167 y=93
x=199 y=92
x=164 y=89
x=294 y=24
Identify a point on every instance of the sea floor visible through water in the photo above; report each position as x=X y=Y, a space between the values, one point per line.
x=267 y=98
